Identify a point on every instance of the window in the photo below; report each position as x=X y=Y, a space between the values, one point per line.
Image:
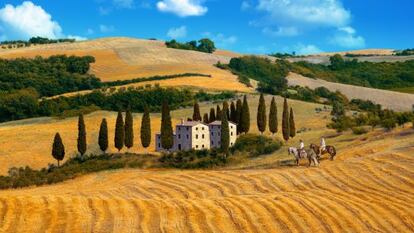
x=196 y=146
x=231 y=144
x=202 y=136
x=202 y=146
x=187 y=128
x=212 y=133
x=196 y=128
x=179 y=128
x=202 y=128
x=159 y=145
x=231 y=127
x=231 y=133
x=196 y=136
x=187 y=136
x=179 y=136
x=212 y=142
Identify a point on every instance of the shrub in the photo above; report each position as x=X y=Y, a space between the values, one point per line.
x=256 y=145
x=359 y=130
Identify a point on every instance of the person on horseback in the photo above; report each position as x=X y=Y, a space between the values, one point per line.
x=301 y=148
x=322 y=147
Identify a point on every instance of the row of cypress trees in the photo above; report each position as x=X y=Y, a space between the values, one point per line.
x=124 y=135
x=288 y=118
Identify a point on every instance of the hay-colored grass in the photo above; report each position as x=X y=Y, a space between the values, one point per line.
x=388 y=99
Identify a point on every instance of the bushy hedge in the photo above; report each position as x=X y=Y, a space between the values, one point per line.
x=194 y=159
x=256 y=145
x=25 y=176
x=204 y=45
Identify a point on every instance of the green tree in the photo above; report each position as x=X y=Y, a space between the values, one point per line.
x=205 y=118
x=129 y=130
x=225 y=135
x=273 y=123
x=146 y=128
x=373 y=120
x=58 y=149
x=233 y=112
x=206 y=45
x=239 y=107
x=82 y=146
x=292 y=127
x=261 y=114
x=196 y=112
x=167 y=136
x=226 y=109
x=338 y=109
x=119 y=132
x=285 y=121
x=245 y=117
x=103 y=136
x=218 y=112
x=212 y=116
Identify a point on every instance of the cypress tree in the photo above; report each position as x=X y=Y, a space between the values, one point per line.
x=285 y=121
x=129 y=130
x=239 y=107
x=225 y=135
x=212 y=115
x=81 y=135
x=58 y=149
x=119 y=132
x=292 y=127
x=103 y=136
x=233 y=112
x=205 y=118
x=273 y=117
x=261 y=114
x=167 y=140
x=226 y=109
x=146 y=128
x=196 y=112
x=245 y=117
x=218 y=113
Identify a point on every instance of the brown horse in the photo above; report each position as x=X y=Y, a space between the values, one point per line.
x=328 y=150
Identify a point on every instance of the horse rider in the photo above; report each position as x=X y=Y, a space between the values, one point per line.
x=323 y=146
x=301 y=148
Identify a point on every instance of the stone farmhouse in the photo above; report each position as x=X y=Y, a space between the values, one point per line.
x=197 y=136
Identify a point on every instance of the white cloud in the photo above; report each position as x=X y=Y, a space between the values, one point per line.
x=346 y=37
x=123 y=3
x=329 y=13
x=78 y=38
x=221 y=40
x=182 y=8
x=177 y=33
x=302 y=49
x=106 y=28
x=245 y=5
x=90 y=31
x=281 y=31
x=28 y=20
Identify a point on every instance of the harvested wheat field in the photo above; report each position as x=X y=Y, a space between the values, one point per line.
x=122 y=58
x=369 y=188
x=388 y=99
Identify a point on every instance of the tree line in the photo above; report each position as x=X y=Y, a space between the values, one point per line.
x=204 y=45
x=8 y=44
x=124 y=135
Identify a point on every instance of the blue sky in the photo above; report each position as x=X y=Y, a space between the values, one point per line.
x=248 y=26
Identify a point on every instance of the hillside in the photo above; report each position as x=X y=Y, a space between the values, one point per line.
x=388 y=99
x=369 y=188
x=126 y=58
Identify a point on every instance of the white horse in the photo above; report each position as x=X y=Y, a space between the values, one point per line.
x=310 y=155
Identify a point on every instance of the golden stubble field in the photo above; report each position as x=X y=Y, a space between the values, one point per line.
x=121 y=58
x=368 y=188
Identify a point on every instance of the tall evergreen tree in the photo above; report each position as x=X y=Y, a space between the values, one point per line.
x=205 y=118
x=245 y=117
x=212 y=116
x=146 y=128
x=119 y=132
x=225 y=134
x=261 y=114
x=129 y=130
x=58 y=149
x=103 y=136
x=226 y=109
x=218 y=113
x=196 y=112
x=167 y=140
x=273 y=124
x=81 y=135
x=233 y=112
x=239 y=107
x=285 y=121
x=292 y=127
